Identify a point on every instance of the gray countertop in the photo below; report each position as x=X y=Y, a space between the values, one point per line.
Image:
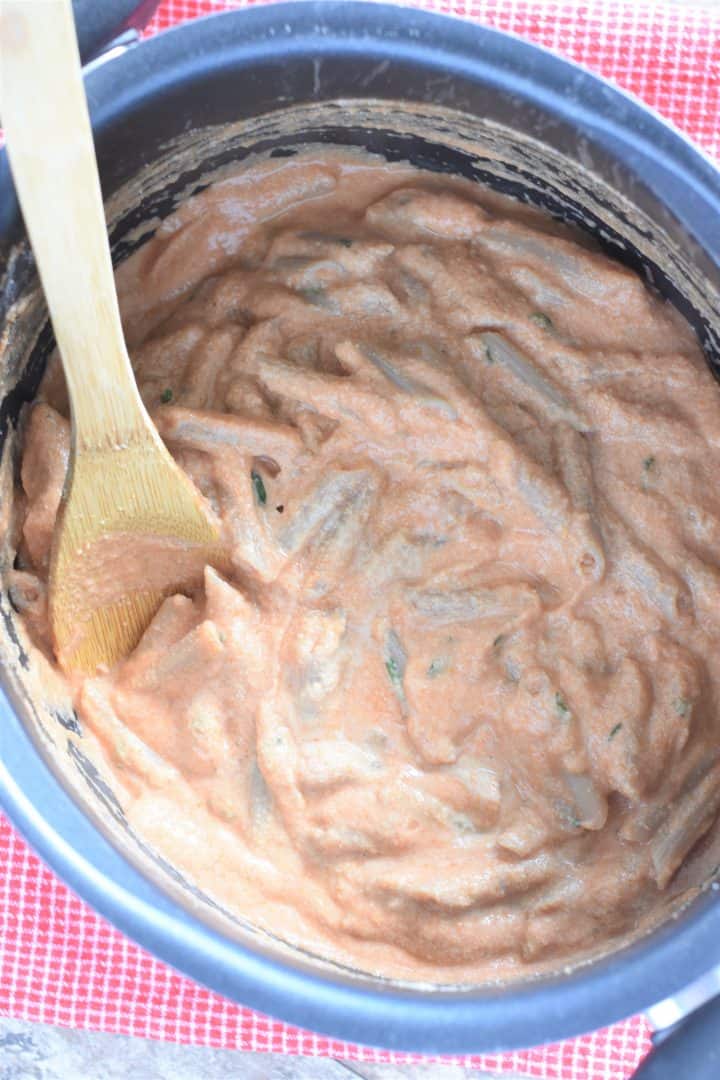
x=36 y=1052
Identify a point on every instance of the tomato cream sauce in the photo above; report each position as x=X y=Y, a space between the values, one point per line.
x=450 y=712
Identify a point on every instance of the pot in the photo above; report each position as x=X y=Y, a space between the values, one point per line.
x=171 y=113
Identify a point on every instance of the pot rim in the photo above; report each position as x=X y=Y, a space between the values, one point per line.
x=367 y=1011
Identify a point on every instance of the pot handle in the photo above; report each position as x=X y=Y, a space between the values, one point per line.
x=690 y=1049
x=99 y=21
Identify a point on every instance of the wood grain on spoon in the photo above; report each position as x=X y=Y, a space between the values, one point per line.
x=127 y=507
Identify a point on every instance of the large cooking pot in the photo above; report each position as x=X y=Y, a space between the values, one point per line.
x=169 y=114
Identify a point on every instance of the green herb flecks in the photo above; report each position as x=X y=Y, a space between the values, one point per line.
x=682 y=706
x=324 y=238
x=315 y=295
x=567 y=814
x=259 y=486
x=498 y=641
x=395 y=660
x=489 y=358
x=649 y=473
x=542 y=320
x=393 y=669
x=614 y=731
x=561 y=705
x=166 y=396
x=436 y=667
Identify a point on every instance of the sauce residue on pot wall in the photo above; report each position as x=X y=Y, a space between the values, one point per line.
x=452 y=713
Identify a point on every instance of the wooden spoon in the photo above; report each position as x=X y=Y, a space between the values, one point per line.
x=132 y=528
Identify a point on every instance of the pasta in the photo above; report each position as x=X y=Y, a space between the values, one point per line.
x=451 y=711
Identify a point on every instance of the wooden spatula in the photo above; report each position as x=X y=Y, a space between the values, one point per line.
x=132 y=527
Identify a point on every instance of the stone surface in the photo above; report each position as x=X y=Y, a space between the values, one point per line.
x=36 y=1052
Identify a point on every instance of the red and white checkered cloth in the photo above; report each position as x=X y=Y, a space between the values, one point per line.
x=62 y=964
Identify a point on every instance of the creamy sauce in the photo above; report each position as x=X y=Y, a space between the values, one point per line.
x=452 y=711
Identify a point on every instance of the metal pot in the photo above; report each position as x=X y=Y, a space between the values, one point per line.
x=445 y=95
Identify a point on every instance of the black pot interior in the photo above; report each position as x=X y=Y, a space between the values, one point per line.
x=145 y=184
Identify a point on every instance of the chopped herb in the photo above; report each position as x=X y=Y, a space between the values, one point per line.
x=280 y=508
x=681 y=706
x=498 y=641
x=395 y=664
x=567 y=814
x=542 y=320
x=489 y=355
x=166 y=396
x=561 y=705
x=393 y=669
x=614 y=731
x=648 y=471
x=436 y=667
x=259 y=486
x=314 y=295
x=323 y=238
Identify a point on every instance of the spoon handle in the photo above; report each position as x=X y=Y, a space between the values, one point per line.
x=52 y=157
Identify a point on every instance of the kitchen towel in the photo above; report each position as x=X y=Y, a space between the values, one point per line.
x=60 y=963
